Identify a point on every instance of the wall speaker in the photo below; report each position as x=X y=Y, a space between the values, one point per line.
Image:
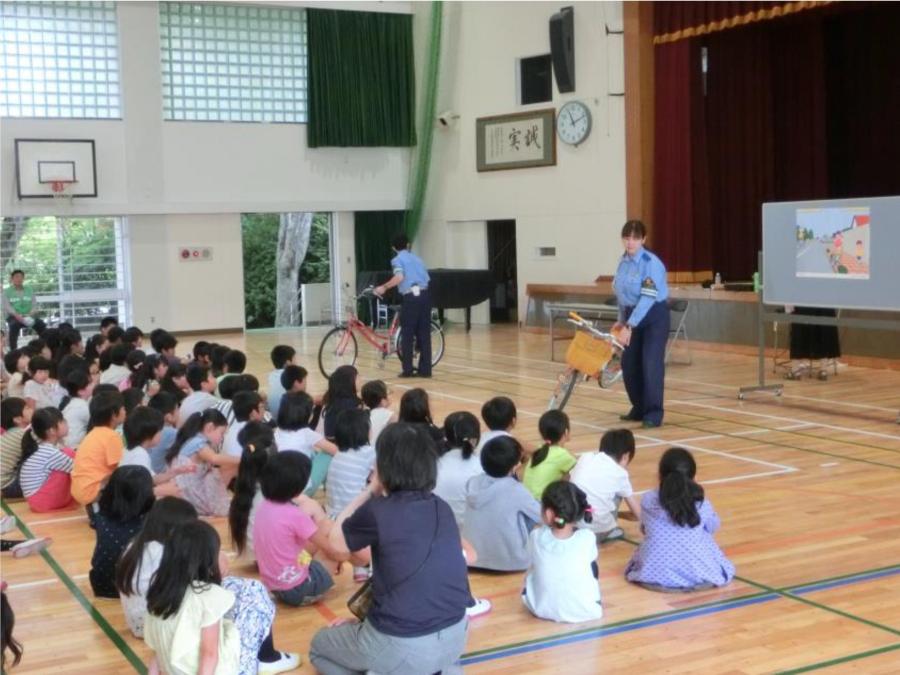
x=562 y=48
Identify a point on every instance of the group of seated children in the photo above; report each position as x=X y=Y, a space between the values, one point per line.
x=148 y=444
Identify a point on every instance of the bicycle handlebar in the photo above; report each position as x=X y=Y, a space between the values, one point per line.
x=580 y=322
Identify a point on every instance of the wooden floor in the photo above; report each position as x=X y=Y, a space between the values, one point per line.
x=806 y=486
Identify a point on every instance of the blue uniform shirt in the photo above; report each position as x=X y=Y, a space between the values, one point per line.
x=640 y=281
x=413 y=270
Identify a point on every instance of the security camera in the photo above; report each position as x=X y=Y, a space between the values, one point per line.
x=447 y=119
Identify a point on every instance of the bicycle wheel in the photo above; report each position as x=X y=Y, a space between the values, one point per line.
x=437 y=345
x=612 y=372
x=338 y=348
x=565 y=385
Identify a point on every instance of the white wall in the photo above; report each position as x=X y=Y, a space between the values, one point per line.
x=578 y=206
x=148 y=167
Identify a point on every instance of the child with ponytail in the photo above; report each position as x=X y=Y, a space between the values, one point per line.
x=459 y=462
x=551 y=461
x=257 y=440
x=561 y=584
x=45 y=475
x=199 y=441
x=679 y=553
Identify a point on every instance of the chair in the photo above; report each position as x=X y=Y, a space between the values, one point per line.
x=680 y=309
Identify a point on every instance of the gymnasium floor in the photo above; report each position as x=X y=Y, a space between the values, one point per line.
x=806 y=487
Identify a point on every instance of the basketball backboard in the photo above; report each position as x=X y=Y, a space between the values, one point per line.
x=42 y=164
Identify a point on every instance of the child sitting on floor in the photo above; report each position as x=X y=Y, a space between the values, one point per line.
x=416 y=409
x=282 y=356
x=143 y=430
x=377 y=401
x=167 y=405
x=679 y=552
x=200 y=621
x=285 y=537
x=141 y=559
x=197 y=443
x=101 y=450
x=604 y=478
x=351 y=467
x=125 y=501
x=499 y=415
x=258 y=443
x=550 y=462
x=15 y=417
x=561 y=584
x=459 y=462
x=500 y=512
x=75 y=407
x=46 y=471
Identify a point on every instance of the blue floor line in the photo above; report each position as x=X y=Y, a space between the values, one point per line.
x=599 y=632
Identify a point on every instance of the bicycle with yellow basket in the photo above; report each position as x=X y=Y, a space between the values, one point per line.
x=592 y=354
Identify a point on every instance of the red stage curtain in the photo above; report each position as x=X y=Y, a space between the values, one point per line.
x=680 y=234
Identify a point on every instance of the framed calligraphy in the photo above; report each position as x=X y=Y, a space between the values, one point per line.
x=516 y=141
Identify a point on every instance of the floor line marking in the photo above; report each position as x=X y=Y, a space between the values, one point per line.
x=732 y=388
x=55 y=520
x=788 y=592
x=73 y=589
x=520 y=411
x=728 y=410
x=841 y=659
x=45 y=582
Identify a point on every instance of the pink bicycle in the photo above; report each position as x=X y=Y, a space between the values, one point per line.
x=340 y=345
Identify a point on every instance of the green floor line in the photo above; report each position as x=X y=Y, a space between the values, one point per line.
x=841 y=659
x=812 y=603
x=94 y=613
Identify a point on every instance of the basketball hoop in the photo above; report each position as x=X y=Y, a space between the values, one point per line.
x=62 y=190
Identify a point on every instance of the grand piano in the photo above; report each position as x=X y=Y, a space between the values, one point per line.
x=450 y=289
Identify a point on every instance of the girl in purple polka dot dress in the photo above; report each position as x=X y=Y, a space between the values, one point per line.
x=679 y=553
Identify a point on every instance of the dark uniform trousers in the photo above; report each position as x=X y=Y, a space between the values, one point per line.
x=415 y=325
x=643 y=363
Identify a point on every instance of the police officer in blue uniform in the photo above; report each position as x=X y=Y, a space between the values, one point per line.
x=411 y=276
x=643 y=325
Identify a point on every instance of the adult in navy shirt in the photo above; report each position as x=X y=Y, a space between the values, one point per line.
x=417 y=623
x=411 y=278
x=643 y=325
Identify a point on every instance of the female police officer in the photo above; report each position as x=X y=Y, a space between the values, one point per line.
x=643 y=325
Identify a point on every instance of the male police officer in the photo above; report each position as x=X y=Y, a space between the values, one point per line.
x=643 y=325
x=412 y=278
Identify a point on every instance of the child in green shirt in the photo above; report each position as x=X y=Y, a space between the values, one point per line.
x=551 y=462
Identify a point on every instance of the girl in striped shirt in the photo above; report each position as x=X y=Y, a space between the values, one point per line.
x=46 y=470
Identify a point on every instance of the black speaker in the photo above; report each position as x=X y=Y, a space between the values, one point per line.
x=562 y=48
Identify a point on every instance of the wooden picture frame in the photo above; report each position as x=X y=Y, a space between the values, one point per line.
x=516 y=141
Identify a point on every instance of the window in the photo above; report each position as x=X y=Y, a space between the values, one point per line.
x=233 y=63
x=76 y=266
x=59 y=59
x=537 y=79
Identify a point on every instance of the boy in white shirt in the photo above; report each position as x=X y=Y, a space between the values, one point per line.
x=142 y=430
x=603 y=477
x=203 y=385
x=499 y=415
x=247 y=407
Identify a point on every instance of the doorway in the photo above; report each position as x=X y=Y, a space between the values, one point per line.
x=501 y=240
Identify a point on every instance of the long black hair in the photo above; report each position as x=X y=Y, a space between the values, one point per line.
x=553 y=426
x=168 y=382
x=92 y=347
x=192 y=426
x=68 y=338
x=136 y=364
x=341 y=385
x=128 y=495
x=167 y=513
x=76 y=380
x=462 y=430
x=7 y=623
x=190 y=558
x=258 y=443
x=568 y=503
x=43 y=420
x=678 y=493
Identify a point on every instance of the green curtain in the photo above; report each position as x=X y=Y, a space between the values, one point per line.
x=361 y=79
x=373 y=233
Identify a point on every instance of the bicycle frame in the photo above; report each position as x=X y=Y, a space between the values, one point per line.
x=381 y=341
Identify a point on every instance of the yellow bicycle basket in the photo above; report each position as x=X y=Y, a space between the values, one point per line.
x=588 y=354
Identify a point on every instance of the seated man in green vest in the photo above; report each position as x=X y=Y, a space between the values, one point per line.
x=18 y=306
